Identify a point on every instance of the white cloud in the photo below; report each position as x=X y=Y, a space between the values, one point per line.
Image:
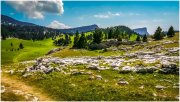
x=36 y=9
x=108 y=15
x=114 y=14
x=134 y=14
x=101 y=16
x=57 y=25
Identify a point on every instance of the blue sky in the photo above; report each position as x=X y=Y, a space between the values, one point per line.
x=133 y=14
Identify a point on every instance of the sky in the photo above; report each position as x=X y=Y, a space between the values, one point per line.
x=69 y=14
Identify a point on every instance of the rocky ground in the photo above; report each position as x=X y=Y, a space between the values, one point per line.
x=150 y=59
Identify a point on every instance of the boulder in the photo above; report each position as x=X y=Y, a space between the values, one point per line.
x=126 y=69
x=3 y=89
x=93 y=67
x=122 y=82
x=160 y=87
x=91 y=78
x=98 y=77
x=169 y=69
x=145 y=70
x=48 y=70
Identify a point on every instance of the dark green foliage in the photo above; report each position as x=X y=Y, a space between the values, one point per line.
x=171 y=32
x=116 y=33
x=62 y=41
x=110 y=34
x=119 y=38
x=138 y=38
x=97 y=36
x=76 y=39
x=82 y=41
x=27 y=32
x=89 y=37
x=95 y=46
x=11 y=44
x=145 y=38
x=4 y=33
x=21 y=46
x=158 y=34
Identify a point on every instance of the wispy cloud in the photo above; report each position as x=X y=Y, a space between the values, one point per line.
x=108 y=15
x=134 y=14
x=115 y=14
x=101 y=16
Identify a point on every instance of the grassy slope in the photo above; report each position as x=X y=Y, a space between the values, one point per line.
x=78 y=87
x=31 y=50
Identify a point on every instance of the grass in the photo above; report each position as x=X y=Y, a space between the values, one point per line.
x=31 y=50
x=82 y=52
x=10 y=96
x=77 y=87
x=63 y=87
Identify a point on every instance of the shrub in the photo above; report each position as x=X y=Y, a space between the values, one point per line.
x=95 y=46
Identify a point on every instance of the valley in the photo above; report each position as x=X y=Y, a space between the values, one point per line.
x=58 y=50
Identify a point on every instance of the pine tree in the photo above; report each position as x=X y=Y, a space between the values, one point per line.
x=171 y=32
x=110 y=34
x=116 y=33
x=97 y=36
x=119 y=38
x=82 y=41
x=158 y=34
x=145 y=38
x=11 y=44
x=138 y=38
x=76 y=39
x=66 y=42
x=21 y=46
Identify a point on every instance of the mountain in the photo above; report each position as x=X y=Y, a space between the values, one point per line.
x=6 y=20
x=80 y=29
x=141 y=31
x=121 y=28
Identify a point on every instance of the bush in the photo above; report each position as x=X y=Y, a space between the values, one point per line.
x=95 y=46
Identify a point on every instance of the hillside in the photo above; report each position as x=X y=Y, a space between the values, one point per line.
x=119 y=74
x=8 y=22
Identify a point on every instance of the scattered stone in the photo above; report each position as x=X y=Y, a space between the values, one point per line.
x=116 y=68
x=11 y=72
x=3 y=89
x=93 y=67
x=91 y=78
x=154 y=94
x=141 y=87
x=126 y=69
x=160 y=87
x=98 y=77
x=122 y=82
x=177 y=97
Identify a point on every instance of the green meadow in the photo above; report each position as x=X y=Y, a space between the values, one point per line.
x=30 y=51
